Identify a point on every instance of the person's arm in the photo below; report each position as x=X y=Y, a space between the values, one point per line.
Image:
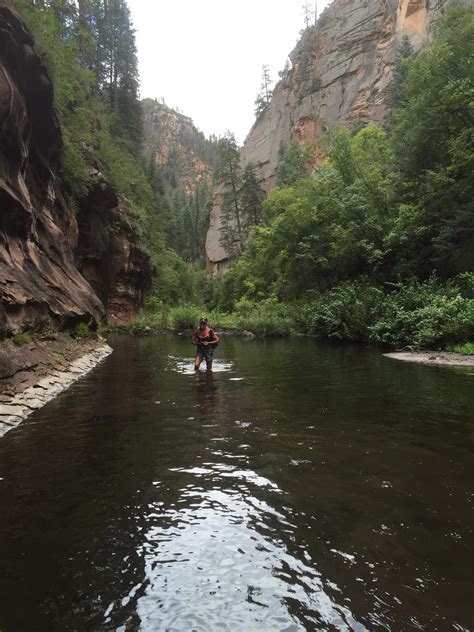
x=193 y=339
x=215 y=340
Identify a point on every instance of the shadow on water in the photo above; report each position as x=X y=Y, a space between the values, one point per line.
x=297 y=486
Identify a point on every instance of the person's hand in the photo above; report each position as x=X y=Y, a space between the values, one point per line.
x=205 y=343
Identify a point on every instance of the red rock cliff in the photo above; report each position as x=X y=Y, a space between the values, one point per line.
x=339 y=71
x=40 y=283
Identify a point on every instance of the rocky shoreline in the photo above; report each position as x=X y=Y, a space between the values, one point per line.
x=433 y=358
x=18 y=403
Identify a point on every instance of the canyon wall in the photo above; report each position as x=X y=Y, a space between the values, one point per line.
x=41 y=285
x=339 y=71
x=182 y=155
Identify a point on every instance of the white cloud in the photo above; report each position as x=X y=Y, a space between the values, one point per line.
x=206 y=57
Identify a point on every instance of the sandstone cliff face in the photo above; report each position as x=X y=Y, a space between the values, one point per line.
x=340 y=70
x=39 y=283
x=182 y=153
x=108 y=254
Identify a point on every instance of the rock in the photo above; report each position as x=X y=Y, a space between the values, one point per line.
x=56 y=269
x=340 y=69
x=177 y=146
x=21 y=405
x=111 y=260
x=39 y=283
x=247 y=334
x=7 y=410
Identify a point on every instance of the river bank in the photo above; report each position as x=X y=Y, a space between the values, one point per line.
x=434 y=358
x=33 y=373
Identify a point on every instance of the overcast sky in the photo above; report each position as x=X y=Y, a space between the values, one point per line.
x=206 y=57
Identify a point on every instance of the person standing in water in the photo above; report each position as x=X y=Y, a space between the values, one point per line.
x=206 y=341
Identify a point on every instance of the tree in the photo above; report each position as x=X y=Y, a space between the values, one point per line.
x=433 y=140
x=293 y=163
x=265 y=93
x=308 y=13
x=395 y=95
x=228 y=173
x=285 y=73
x=251 y=197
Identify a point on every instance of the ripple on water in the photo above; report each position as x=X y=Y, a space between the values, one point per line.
x=219 y=563
x=186 y=365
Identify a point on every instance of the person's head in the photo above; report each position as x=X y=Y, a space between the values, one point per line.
x=203 y=323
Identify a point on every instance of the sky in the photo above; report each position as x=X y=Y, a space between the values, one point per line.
x=206 y=57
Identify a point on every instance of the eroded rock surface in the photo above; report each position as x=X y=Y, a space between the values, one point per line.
x=38 y=371
x=340 y=70
x=108 y=252
x=56 y=270
x=39 y=283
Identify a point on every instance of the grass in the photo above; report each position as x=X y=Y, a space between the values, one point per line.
x=23 y=338
x=465 y=349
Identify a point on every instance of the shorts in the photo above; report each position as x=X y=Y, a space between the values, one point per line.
x=205 y=352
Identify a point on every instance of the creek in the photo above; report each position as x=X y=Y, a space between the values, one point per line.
x=300 y=486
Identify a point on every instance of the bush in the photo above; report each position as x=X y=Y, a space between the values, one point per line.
x=268 y=318
x=23 y=338
x=424 y=314
x=345 y=312
x=185 y=316
x=80 y=331
x=465 y=349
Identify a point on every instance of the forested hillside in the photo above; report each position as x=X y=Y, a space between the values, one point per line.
x=368 y=235
x=377 y=243
x=179 y=161
x=89 y=48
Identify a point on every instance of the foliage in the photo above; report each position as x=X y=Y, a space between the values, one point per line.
x=433 y=139
x=356 y=243
x=465 y=349
x=293 y=165
x=345 y=312
x=185 y=316
x=23 y=338
x=265 y=93
x=395 y=96
x=267 y=318
x=80 y=331
x=241 y=207
x=424 y=314
x=184 y=218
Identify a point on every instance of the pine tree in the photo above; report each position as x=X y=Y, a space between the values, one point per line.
x=228 y=172
x=251 y=197
x=265 y=93
x=285 y=73
x=395 y=94
x=308 y=13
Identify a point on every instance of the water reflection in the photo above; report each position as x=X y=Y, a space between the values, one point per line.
x=217 y=561
x=206 y=390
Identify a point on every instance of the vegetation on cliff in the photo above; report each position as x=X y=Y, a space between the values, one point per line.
x=178 y=161
x=89 y=47
x=377 y=243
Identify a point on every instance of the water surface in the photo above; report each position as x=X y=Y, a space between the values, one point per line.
x=301 y=486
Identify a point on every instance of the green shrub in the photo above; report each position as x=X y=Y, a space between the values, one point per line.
x=185 y=316
x=23 y=339
x=345 y=312
x=424 y=314
x=268 y=318
x=80 y=331
x=466 y=348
